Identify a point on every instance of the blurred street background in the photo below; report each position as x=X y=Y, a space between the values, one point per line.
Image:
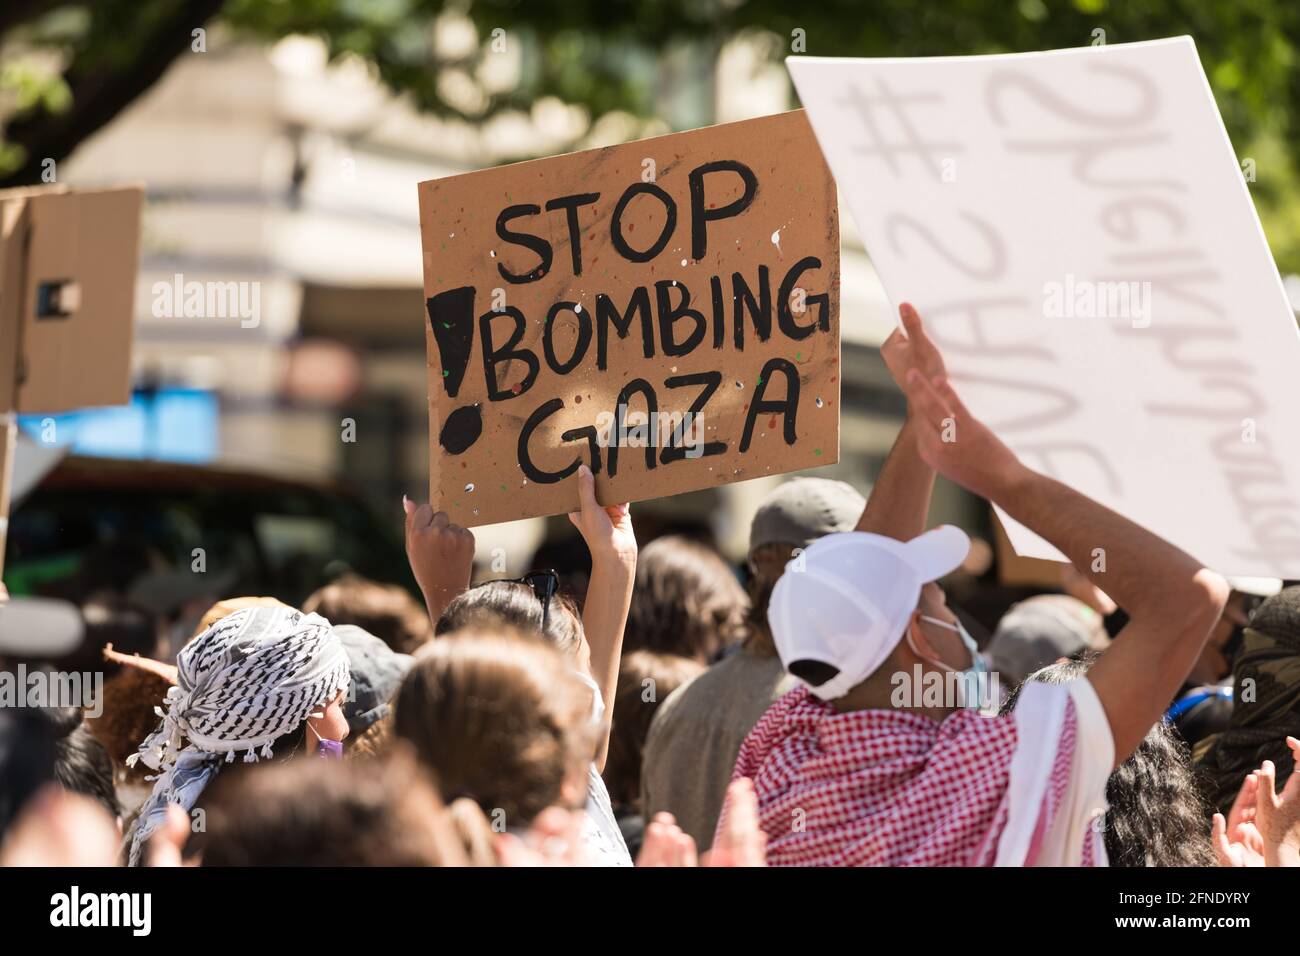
x=280 y=143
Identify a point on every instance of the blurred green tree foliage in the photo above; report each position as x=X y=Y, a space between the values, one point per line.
x=66 y=69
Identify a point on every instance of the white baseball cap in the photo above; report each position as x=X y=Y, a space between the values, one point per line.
x=844 y=603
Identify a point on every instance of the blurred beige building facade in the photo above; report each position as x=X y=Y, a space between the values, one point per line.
x=267 y=167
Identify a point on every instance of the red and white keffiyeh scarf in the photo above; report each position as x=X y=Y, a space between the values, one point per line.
x=894 y=788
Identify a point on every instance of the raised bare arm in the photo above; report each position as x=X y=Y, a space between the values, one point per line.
x=612 y=543
x=900 y=497
x=1172 y=600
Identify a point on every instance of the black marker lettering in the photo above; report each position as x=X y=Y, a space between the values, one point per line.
x=528 y=241
x=701 y=217
x=579 y=347
x=670 y=315
x=785 y=315
x=570 y=206
x=451 y=317
x=676 y=450
x=788 y=406
x=493 y=357
x=530 y=470
x=607 y=312
x=616 y=222
x=760 y=310
x=593 y=443
x=620 y=417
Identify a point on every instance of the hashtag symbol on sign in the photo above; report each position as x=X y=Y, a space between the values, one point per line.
x=911 y=143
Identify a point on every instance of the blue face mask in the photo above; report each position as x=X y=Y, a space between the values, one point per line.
x=977 y=666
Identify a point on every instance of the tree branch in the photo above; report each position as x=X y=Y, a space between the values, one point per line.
x=99 y=95
x=15 y=12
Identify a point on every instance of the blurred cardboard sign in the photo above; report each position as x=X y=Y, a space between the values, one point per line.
x=1016 y=570
x=67 y=287
x=1079 y=236
x=666 y=311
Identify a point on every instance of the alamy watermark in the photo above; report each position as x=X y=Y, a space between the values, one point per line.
x=921 y=688
x=1086 y=299
x=208 y=300
x=74 y=908
x=20 y=687
x=654 y=430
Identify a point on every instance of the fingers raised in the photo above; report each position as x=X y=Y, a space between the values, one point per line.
x=1245 y=800
x=927 y=353
x=586 y=488
x=930 y=405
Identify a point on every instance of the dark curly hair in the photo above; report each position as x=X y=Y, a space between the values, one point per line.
x=128 y=717
x=1156 y=816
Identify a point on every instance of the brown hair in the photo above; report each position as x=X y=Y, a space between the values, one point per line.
x=328 y=813
x=686 y=602
x=374 y=741
x=385 y=610
x=645 y=679
x=514 y=606
x=230 y=606
x=496 y=717
x=128 y=717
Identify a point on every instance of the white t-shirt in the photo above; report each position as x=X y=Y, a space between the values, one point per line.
x=1039 y=714
x=601 y=836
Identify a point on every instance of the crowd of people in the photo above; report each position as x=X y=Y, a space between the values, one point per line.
x=832 y=710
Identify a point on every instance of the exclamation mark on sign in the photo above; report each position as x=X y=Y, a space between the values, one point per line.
x=451 y=315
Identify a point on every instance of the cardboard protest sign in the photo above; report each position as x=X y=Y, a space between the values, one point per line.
x=666 y=311
x=1079 y=237
x=68 y=262
x=67 y=294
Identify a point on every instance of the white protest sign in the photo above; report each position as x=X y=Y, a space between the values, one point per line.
x=1076 y=231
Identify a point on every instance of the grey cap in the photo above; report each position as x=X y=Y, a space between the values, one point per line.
x=802 y=510
x=377 y=671
x=1040 y=631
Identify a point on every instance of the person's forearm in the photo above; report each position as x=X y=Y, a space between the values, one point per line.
x=1140 y=571
x=604 y=618
x=441 y=555
x=900 y=498
x=440 y=594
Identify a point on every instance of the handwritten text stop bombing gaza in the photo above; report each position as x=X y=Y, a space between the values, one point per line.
x=669 y=326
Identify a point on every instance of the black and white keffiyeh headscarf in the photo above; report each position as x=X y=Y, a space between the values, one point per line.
x=252 y=677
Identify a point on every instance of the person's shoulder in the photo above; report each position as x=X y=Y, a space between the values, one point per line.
x=701 y=691
x=676 y=710
x=745 y=668
x=1071 y=708
x=736 y=690
x=680 y=699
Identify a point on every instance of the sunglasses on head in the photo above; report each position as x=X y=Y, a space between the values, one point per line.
x=544 y=585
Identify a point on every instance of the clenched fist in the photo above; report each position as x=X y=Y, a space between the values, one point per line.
x=441 y=555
